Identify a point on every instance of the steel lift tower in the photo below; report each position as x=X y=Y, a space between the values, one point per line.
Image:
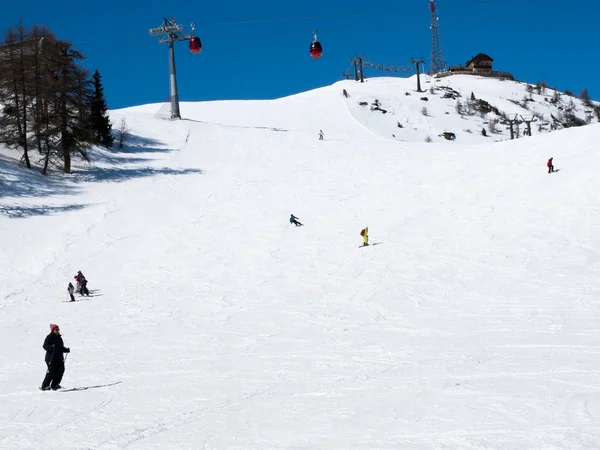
x=172 y=32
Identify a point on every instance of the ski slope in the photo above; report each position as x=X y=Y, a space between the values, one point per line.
x=216 y=324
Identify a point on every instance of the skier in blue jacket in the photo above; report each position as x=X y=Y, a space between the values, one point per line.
x=294 y=220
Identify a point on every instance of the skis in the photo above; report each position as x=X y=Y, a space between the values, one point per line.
x=82 y=298
x=370 y=245
x=85 y=388
x=82 y=388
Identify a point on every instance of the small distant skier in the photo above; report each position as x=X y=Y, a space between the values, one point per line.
x=294 y=220
x=321 y=135
x=71 y=290
x=84 y=289
x=550 y=165
x=81 y=284
x=365 y=234
x=55 y=348
x=78 y=278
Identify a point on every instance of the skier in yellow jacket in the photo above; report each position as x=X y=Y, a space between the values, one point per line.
x=365 y=234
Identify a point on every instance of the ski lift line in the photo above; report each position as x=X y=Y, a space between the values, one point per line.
x=329 y=30
x=343 y=27
x=379 y=26
x=118 y=48
x=520 y=3
x=380 y=13
x=419 y=10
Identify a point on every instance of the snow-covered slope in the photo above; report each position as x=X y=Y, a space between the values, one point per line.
x=461 y=104
x=393 y=109
x=214 y=323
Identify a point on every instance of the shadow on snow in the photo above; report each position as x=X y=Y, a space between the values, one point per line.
x=21 y=212
x=18 y=182
x=141 y=144
x=97 y=174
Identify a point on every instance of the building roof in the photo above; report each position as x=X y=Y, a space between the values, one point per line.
x=478 y=58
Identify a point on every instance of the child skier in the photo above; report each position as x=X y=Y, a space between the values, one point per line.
x=294 y=220
x=321 y=135
x=70 y=290
x=550 y=165
x=365 y=234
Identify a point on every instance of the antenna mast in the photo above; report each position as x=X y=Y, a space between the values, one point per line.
x=437 y=58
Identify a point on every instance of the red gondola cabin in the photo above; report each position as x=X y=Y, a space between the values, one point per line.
x=316 y=50
x=195 y=44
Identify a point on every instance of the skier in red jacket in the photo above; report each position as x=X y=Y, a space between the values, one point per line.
x=550 y=166
x=81 y=284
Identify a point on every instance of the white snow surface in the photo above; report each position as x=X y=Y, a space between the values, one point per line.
x=216 y=324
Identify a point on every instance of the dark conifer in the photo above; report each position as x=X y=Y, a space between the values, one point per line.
x=99 y=118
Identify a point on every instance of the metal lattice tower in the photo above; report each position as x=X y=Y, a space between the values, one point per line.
x=173 y=32
x=438 y=64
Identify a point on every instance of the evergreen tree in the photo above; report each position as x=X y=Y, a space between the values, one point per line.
x=99 y=119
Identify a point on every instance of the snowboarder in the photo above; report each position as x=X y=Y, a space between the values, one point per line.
x=365 y=234
x=321 y=135
x=70 y=290
x=294 y=220
x=55 y=348
x=550 y=165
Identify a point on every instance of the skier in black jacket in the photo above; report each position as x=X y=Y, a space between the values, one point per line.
x=54 y=346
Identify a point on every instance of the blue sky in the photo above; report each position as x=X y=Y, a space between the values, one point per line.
x=259 y=49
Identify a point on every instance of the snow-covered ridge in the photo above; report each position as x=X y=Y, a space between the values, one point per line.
x=393 y=108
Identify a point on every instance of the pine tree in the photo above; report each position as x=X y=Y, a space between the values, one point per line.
x=100 y=120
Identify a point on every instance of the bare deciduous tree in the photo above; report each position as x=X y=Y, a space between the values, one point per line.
x=14 y=83
x=122 y=133
x=45 y=97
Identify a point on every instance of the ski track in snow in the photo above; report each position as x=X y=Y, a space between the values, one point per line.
x=474 y=325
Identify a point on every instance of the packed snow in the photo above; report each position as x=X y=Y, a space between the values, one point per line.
x=215 y=323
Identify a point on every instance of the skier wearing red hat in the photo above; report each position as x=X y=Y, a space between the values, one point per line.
x=55 y=348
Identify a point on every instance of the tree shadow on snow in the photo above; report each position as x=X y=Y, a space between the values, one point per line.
x=114 y=159
x=18 y=182
x=98 y=174
x=21 y=212
x=142 y=144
